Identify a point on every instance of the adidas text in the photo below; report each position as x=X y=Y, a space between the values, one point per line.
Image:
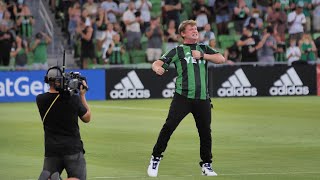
x=237 y=85
x=237 y=91
x=167 y=93
x=290 y=90
x=289 y=84
x=130 y=93
x=130 y=87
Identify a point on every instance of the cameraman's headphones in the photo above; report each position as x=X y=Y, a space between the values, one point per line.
x=48 y=79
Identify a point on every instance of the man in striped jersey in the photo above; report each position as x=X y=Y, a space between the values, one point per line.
x=191 y=94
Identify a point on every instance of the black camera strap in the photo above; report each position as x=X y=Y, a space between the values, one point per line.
x=45 y=115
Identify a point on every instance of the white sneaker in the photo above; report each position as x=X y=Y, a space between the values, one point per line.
x=153 y=166
x=207 y=170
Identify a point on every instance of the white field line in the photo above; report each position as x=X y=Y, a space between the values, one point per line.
x=231 y=174
x=180 y=176
x=130 y=108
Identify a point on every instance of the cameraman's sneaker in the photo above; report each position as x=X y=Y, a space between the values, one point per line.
x=207 y=170
x=153 y=166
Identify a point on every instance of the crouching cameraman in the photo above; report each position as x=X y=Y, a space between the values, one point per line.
x=59 y=114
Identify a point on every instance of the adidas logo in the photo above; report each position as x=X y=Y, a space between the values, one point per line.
x=170 y=89
x=130 y=87
x=237 y=85
x=289 y=84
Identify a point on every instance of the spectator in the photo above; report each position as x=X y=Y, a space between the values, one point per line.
x=201 y=12
x=172 y=10
x=250 y=4
x=316 y=15
x=284 y=5
x=24 y=20
x=19 y=53
x=9 y=23
x=255 y=22
x=278 y=19
x=155 y=36
x=123 y=6
x=144 y=6
x=12 y=7
x=317 y=43
x=280 y=55
x=308 y=48
x=107 y=41
x=74 y=18
x=119 y=29
x=222 y=16
x=206 y=35
x=85 y=15
x=39 y=48
x=2 y=9
x=296 y=20
x=232 y=54
x=170 y=35
x=262 y=5
x=307 y=9
x=112 y=10
x=269 y=47
x=293 y=52
x=212 y=43
x=52 y=4
x=241 y=12
x=132 y=23
x=101 y=24
x=85 y=32
x=92 y=8
x=116 y=50
x=6 y=40
x=247 y=42
x=211 y=4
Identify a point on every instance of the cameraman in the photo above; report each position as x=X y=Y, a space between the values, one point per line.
x=59 y=114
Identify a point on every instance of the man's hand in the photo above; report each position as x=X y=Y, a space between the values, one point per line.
x=159 y=70
x=197 y=54
x=83 y=88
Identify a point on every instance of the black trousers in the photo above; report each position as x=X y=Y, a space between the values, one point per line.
x=180 y=107
x=74 y=164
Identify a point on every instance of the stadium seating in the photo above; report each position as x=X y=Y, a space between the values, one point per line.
x=225 y=41
x=137 y=56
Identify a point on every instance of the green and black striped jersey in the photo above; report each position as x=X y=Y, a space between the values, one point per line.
x=192 y=78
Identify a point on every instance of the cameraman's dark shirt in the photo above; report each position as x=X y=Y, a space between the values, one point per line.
x=62 y=135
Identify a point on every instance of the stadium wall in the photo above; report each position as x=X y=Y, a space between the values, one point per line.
x=128 y=83
x=224 y=81
x=24 y=86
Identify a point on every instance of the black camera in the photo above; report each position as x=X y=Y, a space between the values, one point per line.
x=39 y=36
x=137 y=13
x=65 y=83
x=73 y=81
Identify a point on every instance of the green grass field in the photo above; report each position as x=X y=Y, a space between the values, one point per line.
x=254 y=139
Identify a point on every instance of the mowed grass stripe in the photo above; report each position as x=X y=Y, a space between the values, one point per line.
x=254 y=138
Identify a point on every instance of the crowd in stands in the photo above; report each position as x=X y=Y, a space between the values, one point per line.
x=139 y=31
x=20 y=46
x=244 y=30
